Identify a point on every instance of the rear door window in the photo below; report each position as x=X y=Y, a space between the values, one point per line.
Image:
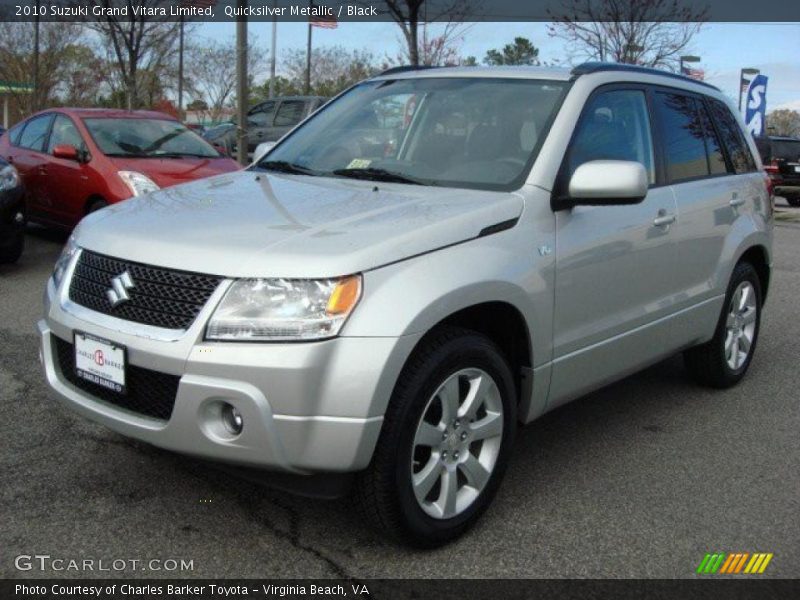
x=14 y=133
x=683 y=135
x=35 y=133
x=732 y=138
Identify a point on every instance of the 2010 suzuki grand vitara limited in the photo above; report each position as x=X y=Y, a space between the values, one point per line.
x=432 y=258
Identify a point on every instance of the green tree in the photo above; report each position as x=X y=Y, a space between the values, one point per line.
x=521 y=52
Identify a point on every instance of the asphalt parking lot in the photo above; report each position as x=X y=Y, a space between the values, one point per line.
x=640 y=479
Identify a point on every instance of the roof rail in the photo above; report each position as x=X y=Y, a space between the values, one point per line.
x=598 y=67
x=403 y=69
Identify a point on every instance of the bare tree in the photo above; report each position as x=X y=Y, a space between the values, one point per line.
x=137 y=43
x=211 y=71
x=333 y=68
x=16 y=59
x=652 y=33
x=784 y=122
x=437 y=46
x=408 y=14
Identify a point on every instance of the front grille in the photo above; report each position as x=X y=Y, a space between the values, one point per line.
x=148 y=392
x=159 y=297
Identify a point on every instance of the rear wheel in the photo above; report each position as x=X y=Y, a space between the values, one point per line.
x=724 y=360
x=445 y=441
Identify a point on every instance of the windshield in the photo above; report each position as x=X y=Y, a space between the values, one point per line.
x=147 y=138
x=459 y=132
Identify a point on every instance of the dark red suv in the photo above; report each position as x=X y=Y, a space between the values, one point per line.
x=75 y=161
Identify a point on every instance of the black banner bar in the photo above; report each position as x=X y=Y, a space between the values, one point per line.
x=377 y=10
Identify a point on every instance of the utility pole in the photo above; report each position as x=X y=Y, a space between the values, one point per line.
x=308 y=62
x=35 y=103
x=180 y=71
x=273 y=51
x=241 y=85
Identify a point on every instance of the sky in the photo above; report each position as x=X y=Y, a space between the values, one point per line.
x=725 y=48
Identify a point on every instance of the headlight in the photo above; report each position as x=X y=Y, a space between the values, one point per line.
x=70 y=248
x=284 y=309
x=138 y=183
x=9 y=178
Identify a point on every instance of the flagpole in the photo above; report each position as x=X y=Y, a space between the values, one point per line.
x=180 y=71
x=308 y=61
x=273 y=52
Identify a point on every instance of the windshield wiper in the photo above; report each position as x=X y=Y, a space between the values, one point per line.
x=283 y=166
x=373 y=174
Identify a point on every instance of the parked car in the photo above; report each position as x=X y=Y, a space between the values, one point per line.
x=781 y=158
x=12 y=216
x=221 y=137
x=429 y=260
x=75 y=161
x=270 y=120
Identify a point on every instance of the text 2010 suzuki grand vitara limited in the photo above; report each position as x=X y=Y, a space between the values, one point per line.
x=432 y=258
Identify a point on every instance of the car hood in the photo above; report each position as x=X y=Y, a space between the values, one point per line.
x=166 y=172
x=251 y=224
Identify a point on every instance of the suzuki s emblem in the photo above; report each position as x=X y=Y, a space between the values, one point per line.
x=119 y=289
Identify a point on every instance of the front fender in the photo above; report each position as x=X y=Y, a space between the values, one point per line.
x=410 y=297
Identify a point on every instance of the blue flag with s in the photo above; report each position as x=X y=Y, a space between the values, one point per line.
x=756 y=106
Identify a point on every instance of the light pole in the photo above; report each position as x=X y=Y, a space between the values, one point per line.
x=743 y=72
x=689 y=58
x=241 y=86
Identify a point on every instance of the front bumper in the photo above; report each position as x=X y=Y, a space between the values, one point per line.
x=306 y=407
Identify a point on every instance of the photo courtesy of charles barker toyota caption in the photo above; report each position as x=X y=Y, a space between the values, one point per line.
x=367 y=299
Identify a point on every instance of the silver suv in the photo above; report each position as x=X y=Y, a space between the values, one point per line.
x=432 y=259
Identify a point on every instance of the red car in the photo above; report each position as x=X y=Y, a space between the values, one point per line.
x=74 y=161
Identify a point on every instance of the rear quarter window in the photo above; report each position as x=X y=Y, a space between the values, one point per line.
x=733 y=138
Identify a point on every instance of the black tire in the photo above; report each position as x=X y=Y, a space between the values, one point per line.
x=384 y=490
x=96 y=205
x=12 y=252
x=707 y=363
x=793 y=201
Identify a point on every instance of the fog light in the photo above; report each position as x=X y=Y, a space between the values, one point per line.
x=232 y=419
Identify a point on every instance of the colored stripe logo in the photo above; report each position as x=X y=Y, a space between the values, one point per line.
x=735 y=563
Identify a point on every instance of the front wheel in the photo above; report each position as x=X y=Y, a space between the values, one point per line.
x=724 y=360
x=445 y=442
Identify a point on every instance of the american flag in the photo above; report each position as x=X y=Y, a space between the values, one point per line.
x=698 y=74
x=324 y=21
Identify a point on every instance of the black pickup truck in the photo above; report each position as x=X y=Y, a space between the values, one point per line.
x=781 y=158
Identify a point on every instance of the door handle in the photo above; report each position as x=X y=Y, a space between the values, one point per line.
x=736 y=201
x=663 y=219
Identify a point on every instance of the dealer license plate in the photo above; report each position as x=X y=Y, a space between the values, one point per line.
x=100 y=361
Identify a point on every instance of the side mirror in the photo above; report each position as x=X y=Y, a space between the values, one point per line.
x=262 y=149
x=607 y=182
x=66 y=151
